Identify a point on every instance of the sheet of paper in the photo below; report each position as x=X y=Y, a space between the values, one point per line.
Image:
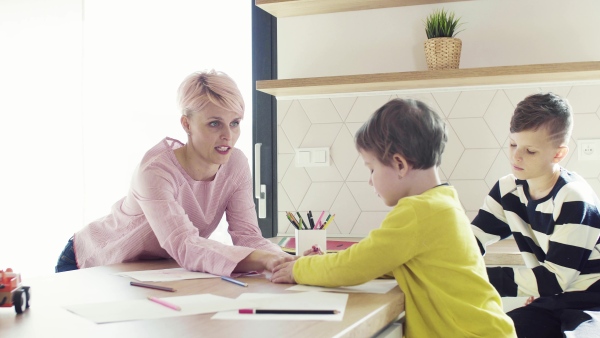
x=136 y=309
x=374 y=286
x=293 y=301
x=165 y=275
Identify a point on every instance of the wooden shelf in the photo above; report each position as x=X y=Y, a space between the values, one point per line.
x=504 y=75
x=286 y=8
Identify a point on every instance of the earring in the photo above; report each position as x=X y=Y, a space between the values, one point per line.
x=400 y=177
x=189 y=133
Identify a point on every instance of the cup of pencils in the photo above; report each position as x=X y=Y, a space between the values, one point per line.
x=309 y=232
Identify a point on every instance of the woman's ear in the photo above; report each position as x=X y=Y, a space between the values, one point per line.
x=185 y=123
x=561 y=153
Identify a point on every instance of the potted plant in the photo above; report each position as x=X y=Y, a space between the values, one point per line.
x=442 y=49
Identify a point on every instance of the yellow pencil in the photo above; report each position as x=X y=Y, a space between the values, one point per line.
x=328 y=222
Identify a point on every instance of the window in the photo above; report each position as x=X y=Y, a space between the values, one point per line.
x=90 y=85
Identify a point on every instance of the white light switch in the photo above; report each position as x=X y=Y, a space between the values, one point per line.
x=304 y=157
x=320 y=156
x=312 y=157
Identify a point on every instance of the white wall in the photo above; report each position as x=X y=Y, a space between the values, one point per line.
x=137 y=53
x=41 y=176
x=86 y=87
x=496 y=33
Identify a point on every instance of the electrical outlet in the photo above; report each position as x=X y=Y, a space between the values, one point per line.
x=588 y=150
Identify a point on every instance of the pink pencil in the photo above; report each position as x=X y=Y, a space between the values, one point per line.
x=164 y=303
x=319 y=220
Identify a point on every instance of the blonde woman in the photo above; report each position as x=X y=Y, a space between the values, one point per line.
x=179 y=193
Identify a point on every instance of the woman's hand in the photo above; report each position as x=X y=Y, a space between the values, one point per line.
x=284 y=273
x=260 y=260
x=277 y=260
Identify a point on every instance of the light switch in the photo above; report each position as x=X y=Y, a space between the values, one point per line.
x=304 y=157
x=319 y=156
x=312 y=157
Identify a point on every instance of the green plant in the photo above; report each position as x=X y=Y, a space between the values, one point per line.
x=442 y=24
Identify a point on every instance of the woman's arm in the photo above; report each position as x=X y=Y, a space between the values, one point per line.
x=156 y=189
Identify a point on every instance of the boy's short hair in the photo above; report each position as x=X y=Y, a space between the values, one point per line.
x=406 y=127
x=548 y=111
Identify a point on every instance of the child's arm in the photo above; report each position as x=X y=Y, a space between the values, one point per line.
x=382 y=251
x=490 y=225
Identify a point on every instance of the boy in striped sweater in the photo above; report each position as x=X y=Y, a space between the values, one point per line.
x=553 y=215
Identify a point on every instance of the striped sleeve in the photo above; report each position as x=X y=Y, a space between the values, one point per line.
x=490 y=224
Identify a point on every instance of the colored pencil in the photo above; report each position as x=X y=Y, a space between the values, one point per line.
x=319 y=224
x=328 y=222
x=164 y=303
x=288 y=312
x=150 y=286
x=311 y=221
x=302 y=223
x=234 y=281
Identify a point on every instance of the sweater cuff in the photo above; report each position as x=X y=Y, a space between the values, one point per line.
x=503 y=279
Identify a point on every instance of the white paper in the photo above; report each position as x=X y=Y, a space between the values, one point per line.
x=374 y=286
x=293 y=301
x=165 y=275
x=135 y=309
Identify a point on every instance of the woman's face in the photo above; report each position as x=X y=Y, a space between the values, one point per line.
x=213 y=133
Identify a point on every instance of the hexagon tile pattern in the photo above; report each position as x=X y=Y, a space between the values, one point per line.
x=475 y=157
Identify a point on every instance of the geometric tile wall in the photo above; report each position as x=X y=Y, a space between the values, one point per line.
x=475 y=156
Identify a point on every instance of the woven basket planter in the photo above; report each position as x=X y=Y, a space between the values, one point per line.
x=443 y=53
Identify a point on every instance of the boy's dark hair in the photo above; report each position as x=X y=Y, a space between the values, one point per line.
x=548 y=111
x=406 y=127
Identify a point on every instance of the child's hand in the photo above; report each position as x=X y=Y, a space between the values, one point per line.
x=529 y=300
x=315 y=250
x=283 y=273
x=276 y=260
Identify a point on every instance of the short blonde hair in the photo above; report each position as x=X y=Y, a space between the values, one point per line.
x=200 y=88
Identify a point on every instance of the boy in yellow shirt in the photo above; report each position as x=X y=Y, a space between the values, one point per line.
x=425 y=242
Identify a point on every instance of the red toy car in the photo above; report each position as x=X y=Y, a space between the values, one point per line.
x=12 y=292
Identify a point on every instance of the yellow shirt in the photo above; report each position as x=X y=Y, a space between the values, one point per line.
x=427 y=244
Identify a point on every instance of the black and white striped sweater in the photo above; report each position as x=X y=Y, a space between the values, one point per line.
x=558 y=236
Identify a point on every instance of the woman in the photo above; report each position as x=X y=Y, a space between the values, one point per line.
x=179 y=193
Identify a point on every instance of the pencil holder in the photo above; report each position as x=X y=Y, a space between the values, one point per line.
x=305 y=239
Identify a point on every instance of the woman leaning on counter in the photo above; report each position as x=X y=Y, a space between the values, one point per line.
x=179 y=193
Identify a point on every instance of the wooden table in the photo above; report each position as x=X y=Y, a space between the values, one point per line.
x=366 y=314
x=504 y=252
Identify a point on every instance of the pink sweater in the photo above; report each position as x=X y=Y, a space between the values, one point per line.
x=168 y=214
